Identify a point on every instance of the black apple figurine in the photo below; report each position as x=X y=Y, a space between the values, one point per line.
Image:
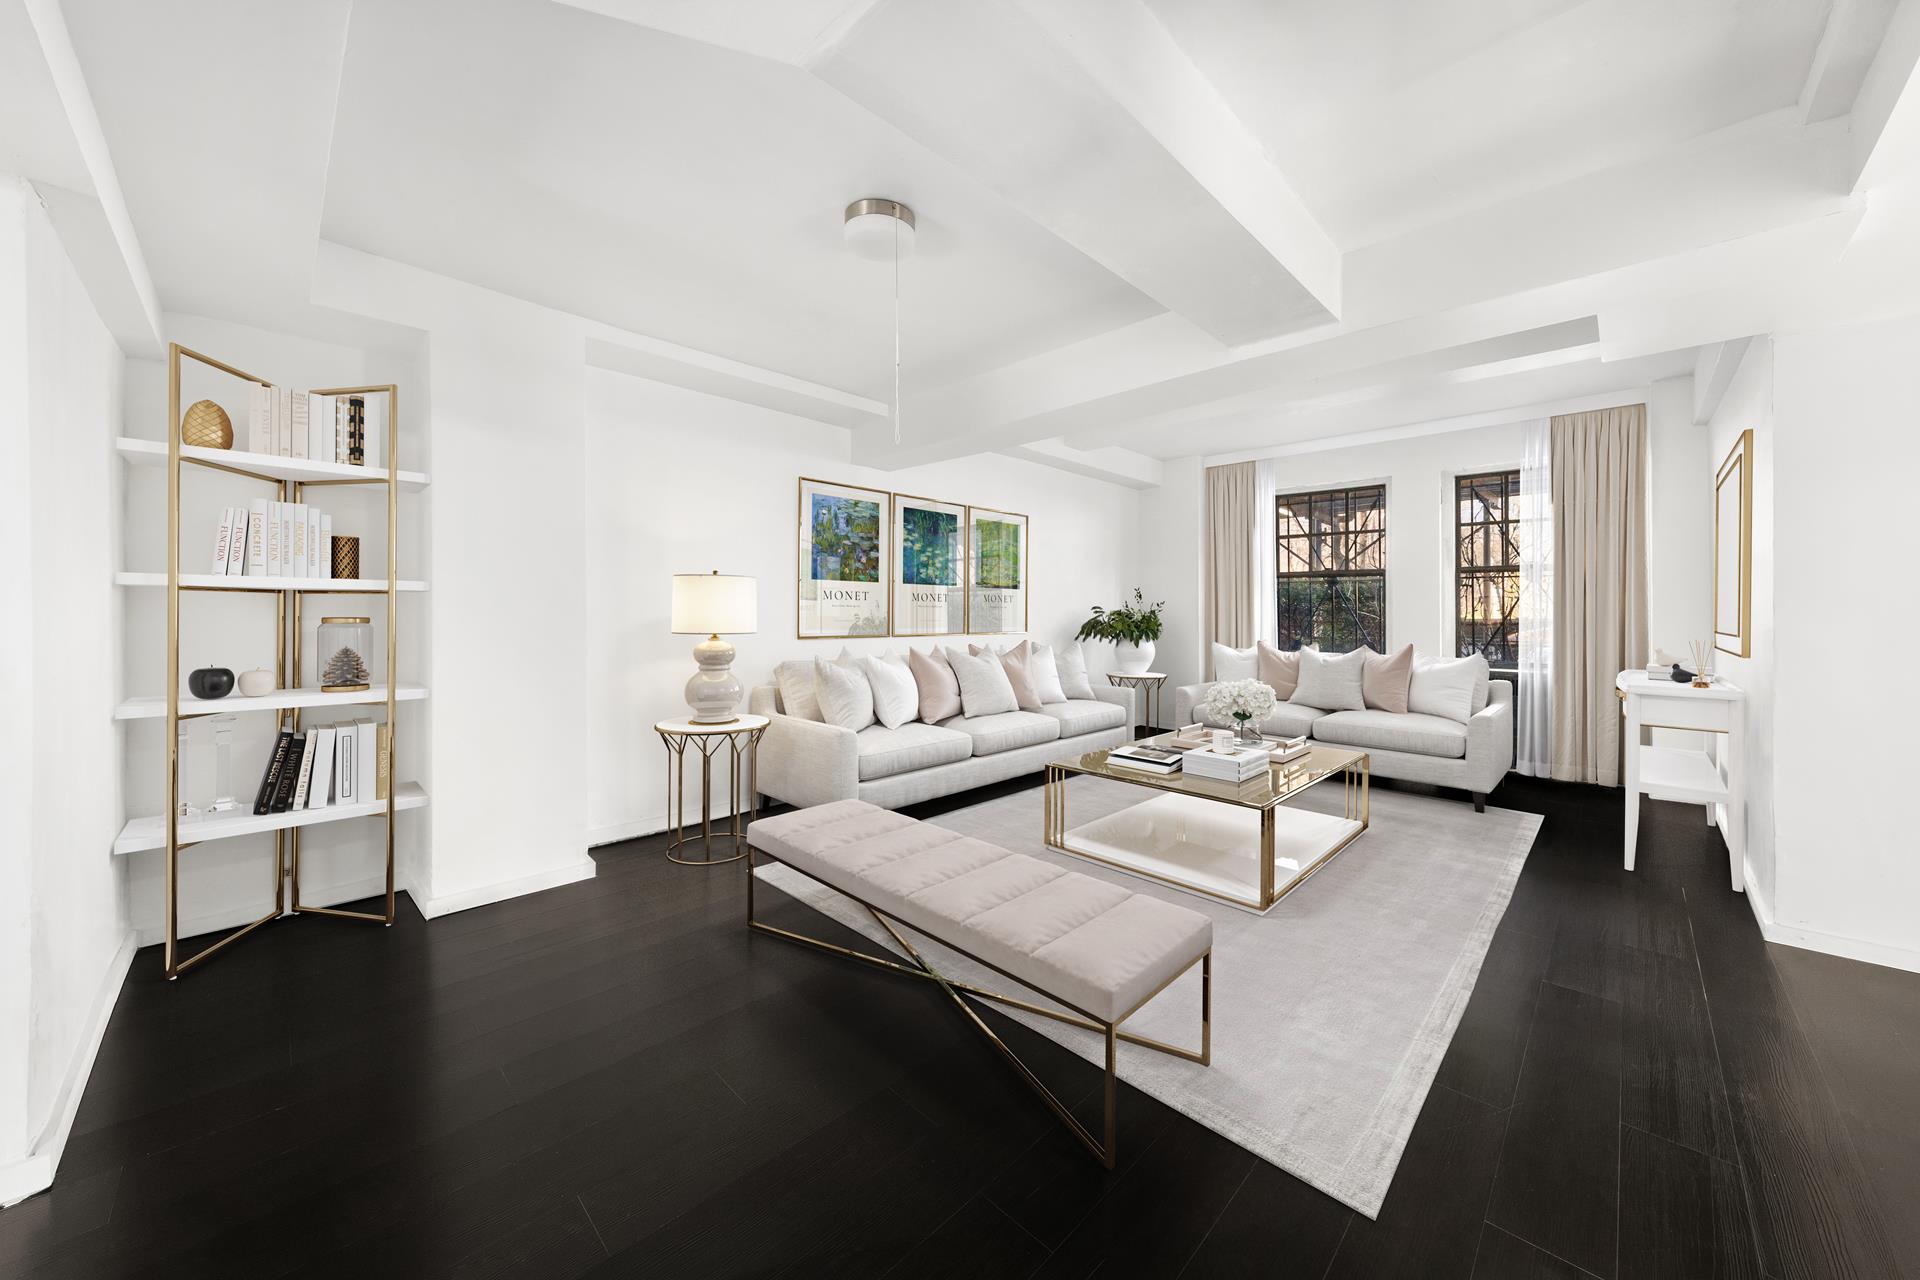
x=210 y=682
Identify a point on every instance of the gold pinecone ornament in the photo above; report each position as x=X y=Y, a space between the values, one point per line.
x=346 y=672
x=206 y=426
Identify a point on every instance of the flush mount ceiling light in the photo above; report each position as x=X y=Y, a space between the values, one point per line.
x=881 y=230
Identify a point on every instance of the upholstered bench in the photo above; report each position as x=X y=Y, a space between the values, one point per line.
x=1099 y=949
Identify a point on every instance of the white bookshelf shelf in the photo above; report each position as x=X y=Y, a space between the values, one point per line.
x=150 y=832
x=147 y=453
x=312 y=586
x=155 y=706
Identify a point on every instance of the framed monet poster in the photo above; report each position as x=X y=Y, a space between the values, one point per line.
x=843 y=560
x=929 y=566
x=996 y=571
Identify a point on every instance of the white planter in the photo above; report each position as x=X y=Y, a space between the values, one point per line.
x=1132 y=659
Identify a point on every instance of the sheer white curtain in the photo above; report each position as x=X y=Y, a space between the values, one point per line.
x=1533 y=526
x=1266 y=479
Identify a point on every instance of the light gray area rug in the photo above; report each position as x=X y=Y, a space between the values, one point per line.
x=1330 y=1013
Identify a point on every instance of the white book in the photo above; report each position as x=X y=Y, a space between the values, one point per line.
x=297 y=557
x=326 y=545
x=257 y=512
x=273 y=538
x=319 y=427
x=322 y=781
x=223 y=542
x=366 y=754
x=301 y=786
x=314 y=549
x=259 y=417
x=237 y=543
x=340 y=429
x=286 y=540
x=346 y=764
x=297 y=424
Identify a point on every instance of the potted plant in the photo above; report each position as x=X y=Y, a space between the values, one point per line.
x=1132 y=629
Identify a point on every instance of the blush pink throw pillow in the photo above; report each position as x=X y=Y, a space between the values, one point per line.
x=1278 y=671
x=1014 y=662
x=1384 y=681
x=939 y=687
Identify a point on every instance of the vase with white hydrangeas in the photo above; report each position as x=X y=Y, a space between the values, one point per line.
x=1245 y=702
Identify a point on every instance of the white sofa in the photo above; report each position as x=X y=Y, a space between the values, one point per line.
x=808 y=762
x=1473 y=756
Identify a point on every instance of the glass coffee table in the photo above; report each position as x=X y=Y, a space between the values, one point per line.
x=1247 y=845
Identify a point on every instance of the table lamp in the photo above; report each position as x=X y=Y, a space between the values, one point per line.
x=712 y=604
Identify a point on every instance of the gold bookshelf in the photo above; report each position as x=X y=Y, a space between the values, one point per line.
x=288 y=602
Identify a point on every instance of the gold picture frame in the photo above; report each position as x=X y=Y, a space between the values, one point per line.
x=990 y=604
x=1733 y=550
x=916 y=607
x=829 y=604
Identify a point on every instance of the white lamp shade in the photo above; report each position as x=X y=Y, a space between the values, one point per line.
x=718 y=604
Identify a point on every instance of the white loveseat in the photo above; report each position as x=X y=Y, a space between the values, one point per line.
x=809 y=762
x=1473 y=756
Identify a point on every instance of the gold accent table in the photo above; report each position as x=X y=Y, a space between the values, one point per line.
x=741 y=736
x=1151 y=681
x=1245 y=845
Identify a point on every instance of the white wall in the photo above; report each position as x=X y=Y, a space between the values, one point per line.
x=1171 y=556
x=66 y=938
x=1844 y=612
x=681 y=482
x=1748 y=405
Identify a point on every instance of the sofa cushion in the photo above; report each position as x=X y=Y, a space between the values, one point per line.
x=1005 y=732
x=1331 y=681
x=1452 y=687
x=1046 y=675
x=1278 y=670
x=1235 y=664
x=884 y=752
x=1412 y=733
x=984 y=688
x=939 y=687
x=1384 y=680
x=1070 y=662
x=1291 y=720
x=1085 y=715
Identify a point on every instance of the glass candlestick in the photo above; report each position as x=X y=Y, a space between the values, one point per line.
x=222 y=764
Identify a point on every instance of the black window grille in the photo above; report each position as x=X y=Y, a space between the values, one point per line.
x=1330 y=563
x=1487 y=567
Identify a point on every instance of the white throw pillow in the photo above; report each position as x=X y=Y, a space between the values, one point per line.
x=1453 y=688
x=1045 y=674
x=1071 y=663
x=1235 y=664
x=896 y=698
x=984 y=687
x=797 y=698
x=1331 y=681
x=846 y=699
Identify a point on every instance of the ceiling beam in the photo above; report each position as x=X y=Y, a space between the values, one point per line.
x=1101 y=462
x=1885 y=124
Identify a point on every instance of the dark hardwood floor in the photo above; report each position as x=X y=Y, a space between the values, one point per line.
x=615 y=1079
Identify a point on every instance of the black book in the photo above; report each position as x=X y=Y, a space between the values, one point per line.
x=289 y=778
x=270 y=780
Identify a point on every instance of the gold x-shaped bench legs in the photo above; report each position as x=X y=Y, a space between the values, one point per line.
x=1103 y=1148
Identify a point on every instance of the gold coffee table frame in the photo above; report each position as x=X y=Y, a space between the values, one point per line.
x=1282 y=783
x=741 y=736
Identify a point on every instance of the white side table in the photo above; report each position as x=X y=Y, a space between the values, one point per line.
x=1716 y=778
x=741 y=736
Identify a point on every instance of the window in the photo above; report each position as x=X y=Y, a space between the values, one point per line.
x=1487 y=568
x=1331 y=569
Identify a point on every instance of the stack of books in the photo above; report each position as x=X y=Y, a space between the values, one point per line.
x=1228 y=764
x=306 y=424
x=1145 y=758
x=275 y=540
x=343 y=763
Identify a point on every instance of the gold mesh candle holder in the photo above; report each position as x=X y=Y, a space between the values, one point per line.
x=346 y=557
x=206 y=426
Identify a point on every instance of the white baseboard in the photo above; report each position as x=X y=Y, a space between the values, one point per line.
x=234 y=917
x=614 y=833
x=34 y=1174
x=467 y=899
x=1832 y=944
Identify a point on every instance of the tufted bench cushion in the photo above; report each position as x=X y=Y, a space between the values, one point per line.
x=1095 y=946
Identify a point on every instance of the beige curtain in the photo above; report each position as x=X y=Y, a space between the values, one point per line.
x=1231 y=501
x=1600 y=578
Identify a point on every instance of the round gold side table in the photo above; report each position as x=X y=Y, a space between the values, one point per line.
x=1150 y=707
x=741 y=736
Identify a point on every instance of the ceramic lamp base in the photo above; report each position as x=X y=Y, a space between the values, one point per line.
x=714 y=692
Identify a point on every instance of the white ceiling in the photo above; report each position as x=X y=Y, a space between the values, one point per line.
x=1389 y=115
x=1174 y=225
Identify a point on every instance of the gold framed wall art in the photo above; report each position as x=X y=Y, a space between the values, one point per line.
x=997 y=578
x=1733 y=550
x=844 y=560
x=929 y=566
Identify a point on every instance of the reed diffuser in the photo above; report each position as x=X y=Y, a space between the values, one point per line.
x=1702 y=654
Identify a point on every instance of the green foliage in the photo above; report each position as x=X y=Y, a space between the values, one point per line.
x=1134 y=623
